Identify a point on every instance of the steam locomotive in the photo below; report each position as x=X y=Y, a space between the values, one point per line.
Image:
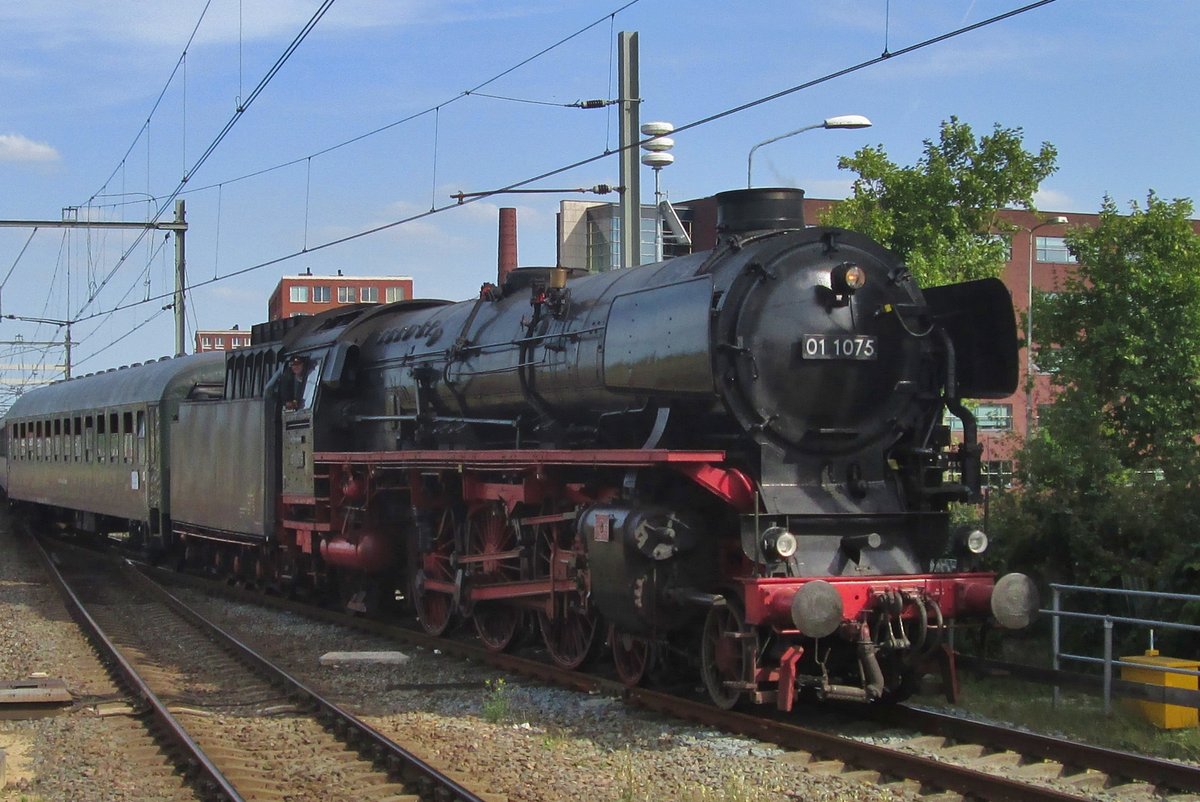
x=735 y=460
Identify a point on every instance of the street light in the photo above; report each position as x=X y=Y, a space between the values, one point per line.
x=844 y=121
x=656 y=157
x=1057 y=220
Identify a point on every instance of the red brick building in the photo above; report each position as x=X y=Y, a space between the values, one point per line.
x=307 y=294
x=221 y=340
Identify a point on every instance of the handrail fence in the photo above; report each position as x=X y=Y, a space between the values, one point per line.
x=1058 y=613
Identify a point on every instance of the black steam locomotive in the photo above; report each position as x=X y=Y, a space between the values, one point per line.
x=735 y=459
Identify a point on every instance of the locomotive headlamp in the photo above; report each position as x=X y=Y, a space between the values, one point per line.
x=778 y=542
x=846 y=278
x=977 y=541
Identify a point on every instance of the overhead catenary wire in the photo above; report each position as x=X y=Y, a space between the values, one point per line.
x=94 y=287
x=607 y=153
x=145 y=129
x=212 y=146
x=610 y=17
x=16 y=261
x=124 y=336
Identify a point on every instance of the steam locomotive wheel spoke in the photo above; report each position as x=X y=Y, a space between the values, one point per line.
x=633 y=656
x=727 y=657
x=570 y=637
x=490 y=534
x=569 y=632
x=435 y=610
x=496 y=624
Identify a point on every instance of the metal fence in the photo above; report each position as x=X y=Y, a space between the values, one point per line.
x=1109 y=621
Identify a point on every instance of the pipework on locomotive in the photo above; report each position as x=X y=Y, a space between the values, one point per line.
x=732 y=463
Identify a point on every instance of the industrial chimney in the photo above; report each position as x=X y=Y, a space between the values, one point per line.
x=507 y=261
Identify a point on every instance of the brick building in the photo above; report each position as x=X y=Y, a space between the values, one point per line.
x=307 y=294
x=221 y=340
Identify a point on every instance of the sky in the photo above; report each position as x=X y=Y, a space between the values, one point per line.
x=388 y=107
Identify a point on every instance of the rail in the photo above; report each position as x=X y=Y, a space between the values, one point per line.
x=1057 y=613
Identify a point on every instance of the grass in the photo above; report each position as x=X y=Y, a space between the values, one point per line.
x=735 y=788
x=496 y=704
x=1077 y=716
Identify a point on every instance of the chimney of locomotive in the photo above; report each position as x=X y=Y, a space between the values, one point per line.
x=743 y=210
x=507 y=261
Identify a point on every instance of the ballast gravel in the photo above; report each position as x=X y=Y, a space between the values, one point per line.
x=530 y=743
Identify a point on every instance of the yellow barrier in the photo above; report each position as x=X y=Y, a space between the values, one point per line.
x=1159 y=713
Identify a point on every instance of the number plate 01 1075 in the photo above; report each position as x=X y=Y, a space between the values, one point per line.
x=838 y=346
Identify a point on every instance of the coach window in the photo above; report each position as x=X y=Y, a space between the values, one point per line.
x=78 y=436
x=127 y=435
x=49 y=446
x=57 y=439
x=37 y=440
x=100 y=443
x=141 y=437
x=114 y=436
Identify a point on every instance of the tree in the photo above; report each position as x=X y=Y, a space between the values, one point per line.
x=1124 y=339
x=941 y=215
x=1109 y=478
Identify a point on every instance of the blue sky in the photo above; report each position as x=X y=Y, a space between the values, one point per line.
x=1109 y=82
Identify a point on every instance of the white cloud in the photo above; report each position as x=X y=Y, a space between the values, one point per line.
x=1053 y=200
x=63 y=22
x=17 y=148
x=833 y=188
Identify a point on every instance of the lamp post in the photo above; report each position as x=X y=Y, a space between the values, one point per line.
x=844 y=121
x=1057 y=220
x=656 y=157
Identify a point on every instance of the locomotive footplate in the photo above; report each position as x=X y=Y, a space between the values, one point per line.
x=518 y=458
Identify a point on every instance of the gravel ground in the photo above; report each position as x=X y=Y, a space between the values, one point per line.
x=78 y=754
x=533 y=742
x=536 y=743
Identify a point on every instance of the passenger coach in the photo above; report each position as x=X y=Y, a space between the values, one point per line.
x=94 y=448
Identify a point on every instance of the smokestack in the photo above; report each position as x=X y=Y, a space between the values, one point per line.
x=507 y=261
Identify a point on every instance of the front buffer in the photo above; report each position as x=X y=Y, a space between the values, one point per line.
x=855 y=638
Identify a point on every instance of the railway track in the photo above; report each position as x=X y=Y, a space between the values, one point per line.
x=943 y=755
x=239 y=727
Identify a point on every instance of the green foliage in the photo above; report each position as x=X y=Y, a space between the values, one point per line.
x=1077 y=716
x=1110 y=496
x=941 y=215
x=1126 y=337
x=496 y=706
